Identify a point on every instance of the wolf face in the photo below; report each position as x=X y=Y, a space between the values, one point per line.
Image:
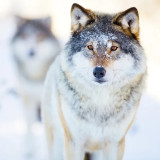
x=104 y=49
x=34 y=46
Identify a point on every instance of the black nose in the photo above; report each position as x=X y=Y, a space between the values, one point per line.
x=31 y=53
x=99 y=72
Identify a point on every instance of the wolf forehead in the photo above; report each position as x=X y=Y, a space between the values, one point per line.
x=32 y=27
x=101 y=31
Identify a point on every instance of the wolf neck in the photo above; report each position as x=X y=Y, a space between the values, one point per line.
x=32 y=72
x=98 y=104
x=99 y=95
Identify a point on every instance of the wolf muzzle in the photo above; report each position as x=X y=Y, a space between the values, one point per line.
x=99 y=72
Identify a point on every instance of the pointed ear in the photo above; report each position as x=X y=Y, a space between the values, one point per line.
x=19 y=20
x=129 y=22
x=81 y=17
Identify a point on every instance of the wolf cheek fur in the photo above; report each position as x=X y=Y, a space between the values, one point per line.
x=83 y=112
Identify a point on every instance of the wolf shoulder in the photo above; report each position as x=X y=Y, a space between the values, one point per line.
x=50 y=83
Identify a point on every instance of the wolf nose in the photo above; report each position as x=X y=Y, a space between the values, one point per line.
x=31 y=53
x=99 y=72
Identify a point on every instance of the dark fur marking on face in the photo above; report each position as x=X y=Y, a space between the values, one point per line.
x=103 y=26
x=35 y=26
x=37 y=31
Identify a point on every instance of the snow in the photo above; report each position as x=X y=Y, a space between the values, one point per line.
x=142 y=141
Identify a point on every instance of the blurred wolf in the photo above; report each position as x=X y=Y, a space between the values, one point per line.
x=93 y=88
x=34 y=48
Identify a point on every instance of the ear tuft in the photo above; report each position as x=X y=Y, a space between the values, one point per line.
x=81 y=17
x=129 y=22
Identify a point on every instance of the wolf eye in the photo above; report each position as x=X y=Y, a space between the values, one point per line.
x=90 y=47
x=114 y=48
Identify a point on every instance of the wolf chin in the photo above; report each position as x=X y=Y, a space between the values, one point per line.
x=93 y=88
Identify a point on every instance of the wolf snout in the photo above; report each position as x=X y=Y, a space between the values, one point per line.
x=31 y=53
x=99 y=72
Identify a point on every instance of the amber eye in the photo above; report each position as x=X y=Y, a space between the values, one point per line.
x=114 y=48
x=90 y=47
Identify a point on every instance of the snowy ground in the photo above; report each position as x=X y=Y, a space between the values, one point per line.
x=142 y=142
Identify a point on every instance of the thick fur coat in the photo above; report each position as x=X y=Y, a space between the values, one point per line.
x=34 y=49
x=93 y=89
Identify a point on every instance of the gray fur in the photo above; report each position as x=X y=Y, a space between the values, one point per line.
x=125 y=100
x=26 y=30
x=103 y=26
x=24 y=26
x=34 y=48
x=78 y=110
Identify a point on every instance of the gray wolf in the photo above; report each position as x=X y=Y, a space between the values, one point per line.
x=93 y=88
x=34 y=48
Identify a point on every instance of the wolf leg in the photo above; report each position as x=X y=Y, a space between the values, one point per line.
x=73 y=151
x=96 y=155
x=59 y=150
x=55 y=146
x=114 y=151
x=30 y=111
x=88 y=156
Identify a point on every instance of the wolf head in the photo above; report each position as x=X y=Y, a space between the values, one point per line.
x=34 y=46
x=103 y=48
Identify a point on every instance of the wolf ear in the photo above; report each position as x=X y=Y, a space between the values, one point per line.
x=81 y=17
x=19 y=20
x=129 y=22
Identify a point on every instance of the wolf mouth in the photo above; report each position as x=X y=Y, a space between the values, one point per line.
x=100 y=81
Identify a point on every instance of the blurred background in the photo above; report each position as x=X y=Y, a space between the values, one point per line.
x=143 y=141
